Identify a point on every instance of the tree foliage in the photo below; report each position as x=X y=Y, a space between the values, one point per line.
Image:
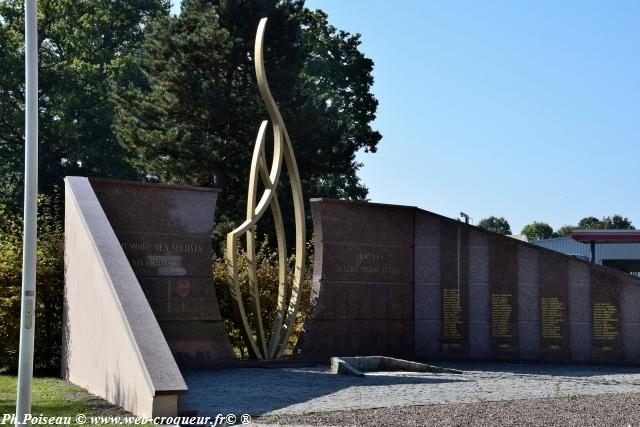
x=606 y=223
x=537 y=231
x=192 y=115
x=589 y=222
x=617 y=222
x=85 y=47
x=49 y=285
x=564 y=231
x=187 y=108
x=495 y=224
x=541 y=230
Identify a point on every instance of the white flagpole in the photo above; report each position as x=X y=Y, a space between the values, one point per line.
x=27 y=316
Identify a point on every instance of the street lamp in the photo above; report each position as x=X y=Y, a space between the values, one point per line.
x=27 y=314
x=465 y=216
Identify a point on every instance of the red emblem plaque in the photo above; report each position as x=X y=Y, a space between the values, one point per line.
x=183 y=287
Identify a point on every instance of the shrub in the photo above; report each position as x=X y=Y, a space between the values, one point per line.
x=268 y=273
x=49 y=287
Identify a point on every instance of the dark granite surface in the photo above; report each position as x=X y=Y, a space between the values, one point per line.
x=165 y=232
x=454 y=267
x=554 y=308
x=363 y=282
x=518 y=301
x=503 y=298
x=607 y=346
x=388 y=280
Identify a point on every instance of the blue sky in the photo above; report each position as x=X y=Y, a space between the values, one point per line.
x=527 y=110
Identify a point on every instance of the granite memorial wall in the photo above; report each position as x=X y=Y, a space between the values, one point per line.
x=165 y=232
x=400 y=281
x=365 y=268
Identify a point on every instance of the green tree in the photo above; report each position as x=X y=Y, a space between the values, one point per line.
x=589 y=222
x=495 y=224
x=617 y=222
x=564 y=231
x=193 y=115
x=606 y=223
x=49 y=284
x=537 y=231
x=11 y=108
x=85 y=48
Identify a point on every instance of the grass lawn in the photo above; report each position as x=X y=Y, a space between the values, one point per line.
x=53 y=397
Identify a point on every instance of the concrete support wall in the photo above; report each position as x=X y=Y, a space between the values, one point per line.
x=112 y=344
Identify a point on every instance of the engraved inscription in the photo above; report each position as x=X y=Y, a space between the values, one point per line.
x=452 y=313
x=369 y=262
x=605 y=323
x=157 y=262
x=162 y=247
x=166 y=257
x=503 y=297
x=607 y=333
x=501 y=309
x=553 y=317
x=165 y=234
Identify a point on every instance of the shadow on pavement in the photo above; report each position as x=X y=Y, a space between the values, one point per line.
x=259 y=391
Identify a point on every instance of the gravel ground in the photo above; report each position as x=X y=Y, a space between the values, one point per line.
x=294 y=391
x=571 y=410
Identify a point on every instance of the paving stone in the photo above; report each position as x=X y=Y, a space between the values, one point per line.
x=302 y=390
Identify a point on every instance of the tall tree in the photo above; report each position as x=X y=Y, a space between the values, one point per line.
x=85 y=47
x=495 y=224
x=537 y=231
x=194 y=113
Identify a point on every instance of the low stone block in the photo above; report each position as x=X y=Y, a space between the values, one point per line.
x=358 y=365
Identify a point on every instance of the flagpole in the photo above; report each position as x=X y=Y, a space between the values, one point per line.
x=27 y=315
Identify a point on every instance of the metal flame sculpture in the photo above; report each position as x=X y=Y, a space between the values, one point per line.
x=287 y=308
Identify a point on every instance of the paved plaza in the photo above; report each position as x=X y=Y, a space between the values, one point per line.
x=302 y=390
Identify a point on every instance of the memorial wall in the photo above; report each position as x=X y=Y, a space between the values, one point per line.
x=365 y=267
x=165 y=232
x=400 y=281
